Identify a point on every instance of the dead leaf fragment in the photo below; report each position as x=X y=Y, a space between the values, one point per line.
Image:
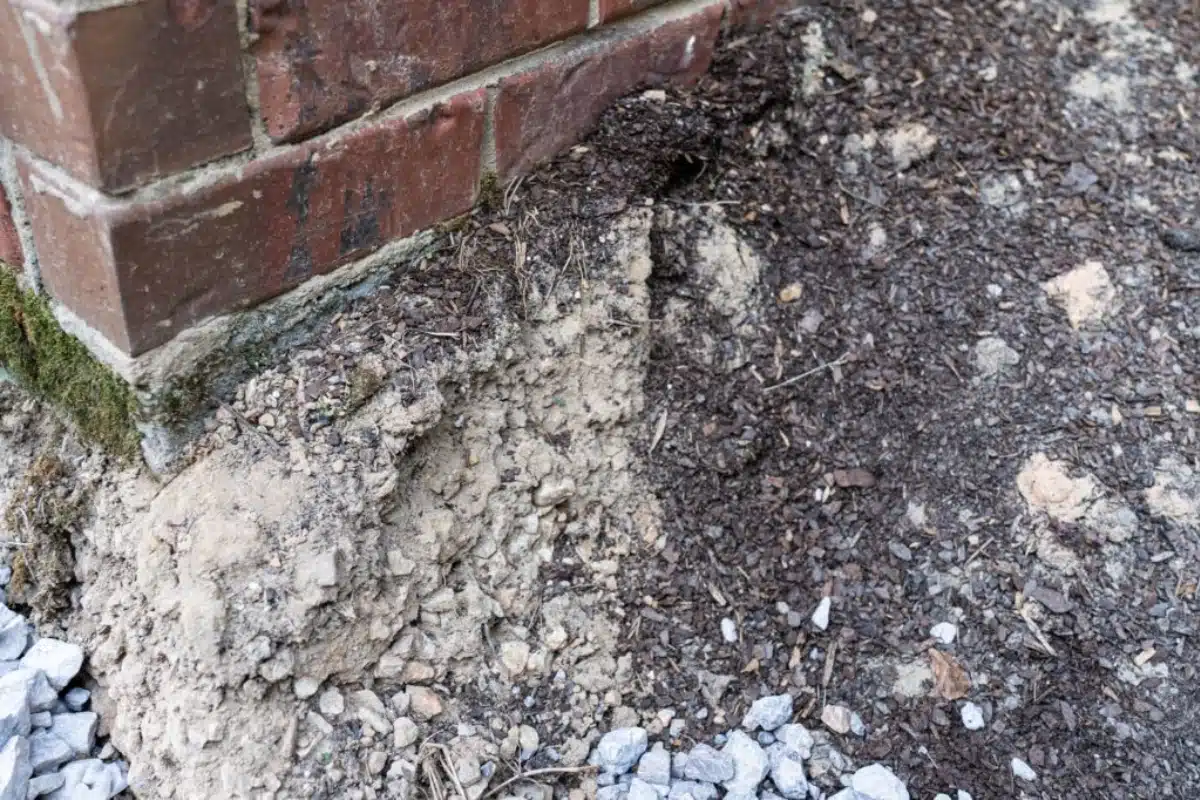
x=950 y=680
x=857 y=478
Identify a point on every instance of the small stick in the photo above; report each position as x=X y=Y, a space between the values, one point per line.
x=531 y=773
x=841 y=360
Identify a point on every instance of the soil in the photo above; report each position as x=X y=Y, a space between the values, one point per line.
x=898 y=306
x=854 y=442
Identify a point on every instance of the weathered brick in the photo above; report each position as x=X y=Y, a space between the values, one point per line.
x=11 y=252
x=140 y=270
x=119 y=96
x=612 y=9
x=542 y=111
x=325 y=61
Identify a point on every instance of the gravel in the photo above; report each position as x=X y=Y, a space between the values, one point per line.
x=768 y=713
x=619 y=750
x=707 y=764
x=750 y=763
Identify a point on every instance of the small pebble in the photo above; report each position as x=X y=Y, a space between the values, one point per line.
x=820 y=617
x=972 y=717
x=1023 y=770
x=944 y=632
x=729 y=630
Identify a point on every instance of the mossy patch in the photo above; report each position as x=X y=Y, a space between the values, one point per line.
x=55 y=365
x=44 y=511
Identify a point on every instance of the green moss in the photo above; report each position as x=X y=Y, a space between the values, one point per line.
x=491 y=193
x=56 y=366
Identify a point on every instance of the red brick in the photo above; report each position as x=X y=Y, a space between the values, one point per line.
x=10 y=242
x=542 y=111
x=612 y=9
x=325 y=61
x=140 y=270
x=120 y=96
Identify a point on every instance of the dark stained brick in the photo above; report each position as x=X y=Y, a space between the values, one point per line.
x=612 y=9
x=119 y=96
x=140 y=271
x=553 y=105
x=322 y=62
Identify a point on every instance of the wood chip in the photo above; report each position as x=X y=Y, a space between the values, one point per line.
x=857 y=478
x=950 y=680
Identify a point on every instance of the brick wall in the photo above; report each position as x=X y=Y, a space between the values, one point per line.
x=175 y=161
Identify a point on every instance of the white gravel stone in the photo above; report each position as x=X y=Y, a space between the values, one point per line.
x=708 y=765
x=787 y=773
x=768 y=713
x=61 y=661
x=15 y=770
x=640 y=790
x=729 y=630
x=48 y=752
x=41 y=719
x=962 y=795
x=404 y=733
x=836 y=718
x=944 y=632
x=423 y=702
x=1023 y=770
x=306 y=687
x=972 y=717
x=696 y=790
x=820 y=617
x=620 y=749
x=41 y=694
x=77 y=698
x=42 y=785
x=655 y=766
x=14 y=634
x=795 y=740
x=77 y=730
x=750 y=763
x=14 y=711
x=92 y=779
x=331 y=703
x=879 y=783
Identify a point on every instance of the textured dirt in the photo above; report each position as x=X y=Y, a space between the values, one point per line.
x=897 y=307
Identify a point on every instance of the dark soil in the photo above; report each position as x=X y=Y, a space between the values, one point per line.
x=743 y=471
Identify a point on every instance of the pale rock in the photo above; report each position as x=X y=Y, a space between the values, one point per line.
x=729 y=630
x=836 y=718
x=41 y=719
x=1023 y=770
x=423 y=702
x=750 y=763
x=678 y=765
x=306 y=687
x=640 y=790
x=795 y=739
x=14 y=634
x=768 y=713
x=404 y=733
x=787 y=773
x=708 y=765
x=78 y=730
x=34 y=682
x=14 y=710
x=528 y=742
x=910 y=143
x=15 y=770
x=48 y=752
x=695 y=790
x=655 y=766
x=77 y=698
x=879 y=783
x=61 y=661
x=42 y=785
x=514 y=656
x=618 y=750
x=944 y=632
x=553 y=492
x=377 y=762
x=972 y=717
x=331 y=703
x=820 y=617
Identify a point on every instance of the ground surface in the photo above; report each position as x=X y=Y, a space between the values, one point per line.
x=892 y=308
x=935 y=359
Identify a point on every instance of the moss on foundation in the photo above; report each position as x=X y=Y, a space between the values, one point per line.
x=56 y=366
